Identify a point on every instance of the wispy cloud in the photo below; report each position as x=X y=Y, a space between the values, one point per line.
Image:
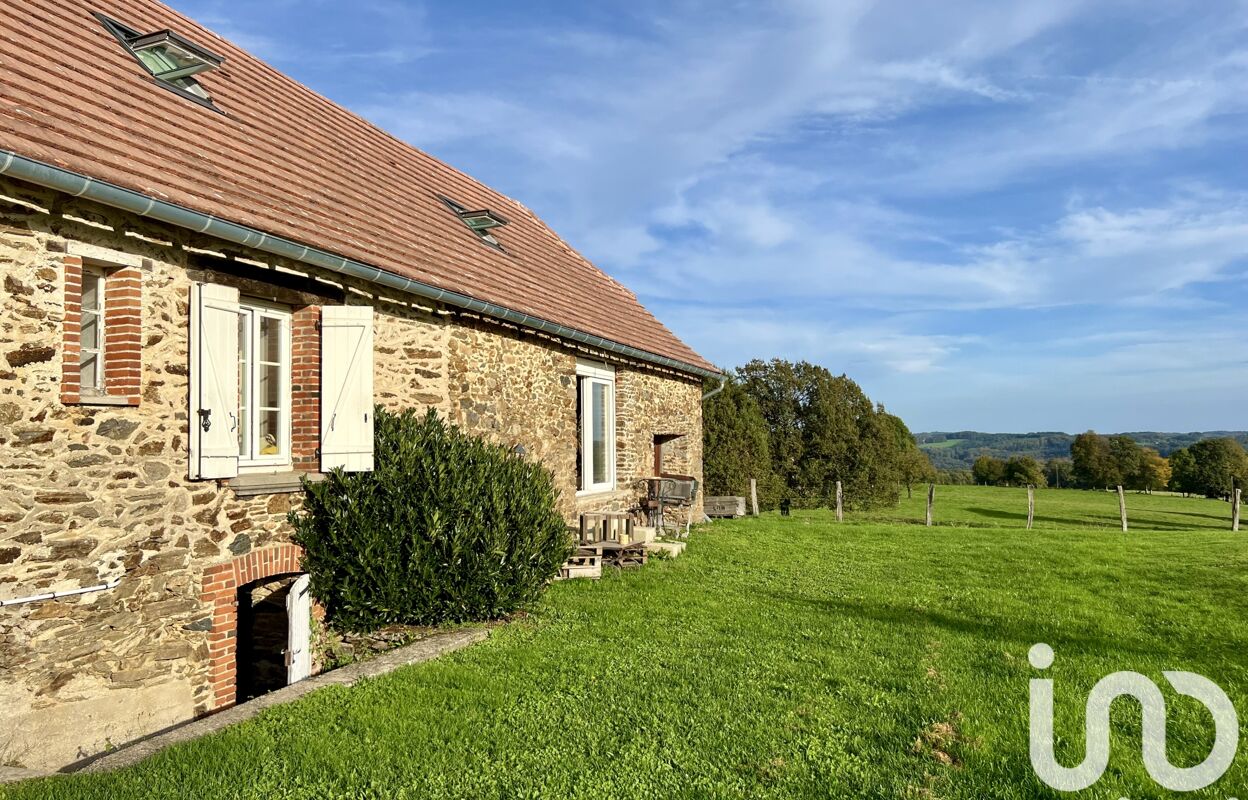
x=941 y=198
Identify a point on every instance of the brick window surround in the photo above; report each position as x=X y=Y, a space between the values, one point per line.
x=123 y=332
x=220 y=590
x=305 y=388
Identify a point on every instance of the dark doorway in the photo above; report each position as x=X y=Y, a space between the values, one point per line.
x=263 y=631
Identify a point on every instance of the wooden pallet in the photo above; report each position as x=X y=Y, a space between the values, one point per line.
x=582 y=564
x=606 y=527
x=616 y=554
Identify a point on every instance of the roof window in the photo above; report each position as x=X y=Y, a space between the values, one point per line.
x=172 y=59
x=480 y=222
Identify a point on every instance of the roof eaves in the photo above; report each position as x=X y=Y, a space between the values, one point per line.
x=78 y=185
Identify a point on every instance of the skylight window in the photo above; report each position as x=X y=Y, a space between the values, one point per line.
x=480 y=222
x=172 y=59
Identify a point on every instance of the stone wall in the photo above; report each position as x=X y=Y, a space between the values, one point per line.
x=89 y=493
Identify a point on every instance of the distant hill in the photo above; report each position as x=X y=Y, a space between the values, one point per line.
x=959 y=449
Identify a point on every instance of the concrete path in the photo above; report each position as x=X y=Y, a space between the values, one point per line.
x=423 y=650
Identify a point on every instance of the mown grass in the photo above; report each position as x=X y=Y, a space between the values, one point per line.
x=780 y=657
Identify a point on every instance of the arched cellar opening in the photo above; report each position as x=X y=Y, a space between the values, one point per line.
x=273 y=635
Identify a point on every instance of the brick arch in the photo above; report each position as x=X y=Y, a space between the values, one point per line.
x=220 y=590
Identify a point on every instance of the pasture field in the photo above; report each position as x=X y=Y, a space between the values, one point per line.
x=782 y=657
x=1057 y=509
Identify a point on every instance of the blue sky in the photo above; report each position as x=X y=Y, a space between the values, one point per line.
x=994 y=216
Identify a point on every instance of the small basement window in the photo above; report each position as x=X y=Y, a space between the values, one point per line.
x=480 y=221
x=171 y=59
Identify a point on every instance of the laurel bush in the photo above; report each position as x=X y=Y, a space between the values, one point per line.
x=446 y=528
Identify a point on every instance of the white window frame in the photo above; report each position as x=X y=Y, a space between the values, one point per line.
x=255 y=310
x=99 y=277
x=589 y=374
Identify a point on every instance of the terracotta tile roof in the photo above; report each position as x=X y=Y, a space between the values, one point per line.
x=286 y=161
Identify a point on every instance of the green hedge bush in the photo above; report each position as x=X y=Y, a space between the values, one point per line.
x=447 y=528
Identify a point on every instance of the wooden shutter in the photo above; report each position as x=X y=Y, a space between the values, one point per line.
x=214 y=381
x=299 y=631
x=347 y=388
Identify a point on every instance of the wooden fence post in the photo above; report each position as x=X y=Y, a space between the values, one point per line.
x=754 y=496
x=1235 y=509
x=840 y=511
x=1122 y=508
x=931 y=500
x=1031 y=505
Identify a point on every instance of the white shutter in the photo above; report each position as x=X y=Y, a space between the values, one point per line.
x=214 y=381
x=299 y=630
x=347 y=388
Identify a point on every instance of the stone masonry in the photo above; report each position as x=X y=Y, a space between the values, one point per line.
x=94 y=492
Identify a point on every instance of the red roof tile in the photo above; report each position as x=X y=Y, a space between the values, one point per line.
x=286 y=161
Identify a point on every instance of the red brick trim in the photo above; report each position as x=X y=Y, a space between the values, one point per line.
x=123 y=326
x=220 y=590
x=305 y=388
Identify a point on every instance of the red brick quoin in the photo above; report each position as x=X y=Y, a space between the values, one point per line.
x=221 y=582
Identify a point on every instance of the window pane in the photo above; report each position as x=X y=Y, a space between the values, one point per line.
x=269 y=433
x=156 y=59
x=270 y=340
x=598 y=412
x=90 y=331
x=88 y=372
x=90 y=291
x=270 y=386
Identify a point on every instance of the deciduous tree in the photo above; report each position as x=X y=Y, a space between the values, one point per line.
x=988 y=471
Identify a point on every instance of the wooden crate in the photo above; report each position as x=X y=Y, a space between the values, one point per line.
x=724 y=506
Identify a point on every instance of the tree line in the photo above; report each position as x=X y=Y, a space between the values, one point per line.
x=1211 y=467
x=797 y=429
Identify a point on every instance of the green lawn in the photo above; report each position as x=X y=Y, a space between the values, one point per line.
x=781 y=657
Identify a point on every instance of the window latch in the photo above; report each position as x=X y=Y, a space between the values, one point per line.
x=205 y=418
x=233 y=422
x=332 y=420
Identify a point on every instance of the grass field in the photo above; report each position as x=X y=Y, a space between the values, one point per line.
x=1057 y=509
x=782 y=657
x=942 y=445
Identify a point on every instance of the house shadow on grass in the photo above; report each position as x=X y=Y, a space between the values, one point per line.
x=1110 y=521
x=1025 y=635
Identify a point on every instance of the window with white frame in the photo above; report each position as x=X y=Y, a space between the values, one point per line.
x=596 y=426
x=91 y=333
x=263 y=384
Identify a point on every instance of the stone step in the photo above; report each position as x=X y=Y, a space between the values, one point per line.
x=673 y=549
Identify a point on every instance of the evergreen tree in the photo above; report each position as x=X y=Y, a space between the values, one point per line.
x=736 y=446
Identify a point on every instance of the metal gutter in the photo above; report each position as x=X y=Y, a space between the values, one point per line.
x=72 y=183
x=723 y=383
x=38 y=598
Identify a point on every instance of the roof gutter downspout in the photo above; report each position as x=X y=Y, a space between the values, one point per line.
x=723 y=381
x=72 y=183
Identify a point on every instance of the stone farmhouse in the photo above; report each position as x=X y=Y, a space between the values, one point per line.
x=211 y=275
